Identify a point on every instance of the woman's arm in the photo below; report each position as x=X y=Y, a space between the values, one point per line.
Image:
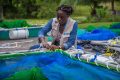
x=45 y=29
x=42 y=33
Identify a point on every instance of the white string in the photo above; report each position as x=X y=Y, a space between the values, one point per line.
x=88 y=56
x=107 y=63
x=117 y=67
x=88 y=59
x=15 y=44
x=79 y=57
x=70 y=55
x=96 y=62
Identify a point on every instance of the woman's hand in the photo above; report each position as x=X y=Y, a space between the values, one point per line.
x=53 y=47
x=43 y=42
x=45 y=45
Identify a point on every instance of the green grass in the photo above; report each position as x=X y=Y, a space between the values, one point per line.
x=81 y=10
x=32 y=21
x=82 y=25
x=37 y=21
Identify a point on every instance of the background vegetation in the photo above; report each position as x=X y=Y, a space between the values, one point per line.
x=85 y=11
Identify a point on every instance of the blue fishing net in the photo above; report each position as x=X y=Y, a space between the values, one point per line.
x=115 y=26
x=55 y=66
x=98 y=34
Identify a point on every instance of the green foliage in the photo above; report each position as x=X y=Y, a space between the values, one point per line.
x=115 y=18
x=81 y=10
x=101 y=12
x=44 y=12
x=14 y=24
x=47 y=8
x=81 y=19
x=69 y=2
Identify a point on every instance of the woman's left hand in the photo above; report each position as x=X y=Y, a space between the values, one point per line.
x=53 y=47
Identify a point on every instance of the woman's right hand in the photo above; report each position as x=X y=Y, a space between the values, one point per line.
x=45 y=45
x=43 y=42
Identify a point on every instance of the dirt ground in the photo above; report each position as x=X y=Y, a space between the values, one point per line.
x=16 y=45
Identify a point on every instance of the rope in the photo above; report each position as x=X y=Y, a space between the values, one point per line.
x=95 y=57
x=78 y=56
x=107 y=63
x=70 y=55
x=112 y=42
x=96 y=62
x=88 y=58
x=117 y=68
x=15 y=44
x=108 y=53
x=8 y=45
x=81 y=51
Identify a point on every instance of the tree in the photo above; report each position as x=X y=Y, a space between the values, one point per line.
x=93 y=4
x=1 y=10
x=112 y=5
x=1 y=13
x=69 y=2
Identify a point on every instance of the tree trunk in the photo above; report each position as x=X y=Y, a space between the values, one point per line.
x=93 y=12
x=113 y=7
x=1 y=13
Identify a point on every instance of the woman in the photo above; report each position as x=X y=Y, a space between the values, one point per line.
x=63 y=30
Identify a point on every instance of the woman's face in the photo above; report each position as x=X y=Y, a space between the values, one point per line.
x=62 y=17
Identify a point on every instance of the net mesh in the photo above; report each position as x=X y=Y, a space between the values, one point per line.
x=52 y=66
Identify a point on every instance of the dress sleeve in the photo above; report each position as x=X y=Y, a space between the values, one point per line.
x=45 y=29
